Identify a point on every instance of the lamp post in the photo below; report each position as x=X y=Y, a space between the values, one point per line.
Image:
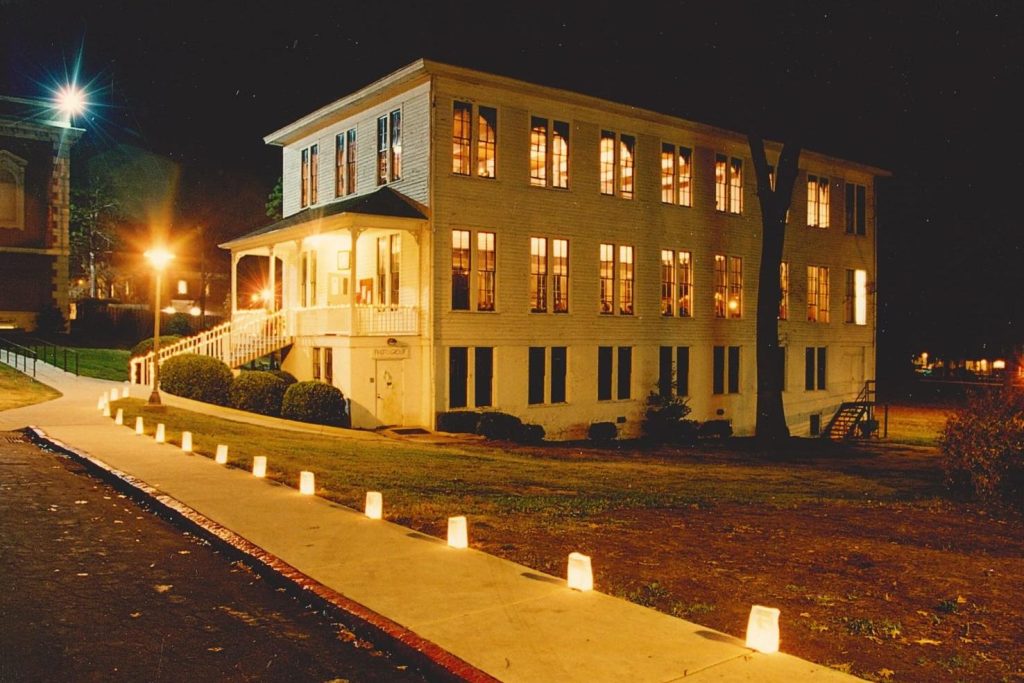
x=158 y=258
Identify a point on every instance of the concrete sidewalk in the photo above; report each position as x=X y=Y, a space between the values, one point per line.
x=503 y=619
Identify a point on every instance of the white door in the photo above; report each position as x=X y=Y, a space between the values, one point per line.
x=389 y=391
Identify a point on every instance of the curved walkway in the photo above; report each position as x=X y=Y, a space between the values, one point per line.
x=477 y=616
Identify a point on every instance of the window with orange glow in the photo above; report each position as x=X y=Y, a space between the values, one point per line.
x=461 y=136
x=736 y=186
x=304 y=179
x=538 y=151
x=627 y=143
x=350 y=162
x=728 y=184
x=668 y=282
x=626 y=280
x=486 y=265
x=668 y=154
x=784 y=291
x=607 y=162
x=721 y=186
x=735 y=303
x=538 y=275
x=460 y=270
x=817 y=201
x=560 y=154
x=817 y=294
x=487 y=142
x=607 y=275
x=856 y=299
x=560 y=275
x=683 y=303
x=675 y=175
x=683 y=178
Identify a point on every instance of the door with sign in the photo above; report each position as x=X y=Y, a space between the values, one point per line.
x=389 y=391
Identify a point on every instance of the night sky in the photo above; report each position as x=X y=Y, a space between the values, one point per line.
x=922 y=89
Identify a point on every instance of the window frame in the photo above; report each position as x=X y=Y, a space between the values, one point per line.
x=620 y=169
x=818 y=294
x=549 y=174
x=479 y=149
x=461 y=268
x=728 y=184
x=818 y=201
x=855 y=208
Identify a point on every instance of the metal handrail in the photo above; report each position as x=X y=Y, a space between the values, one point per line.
x=56 y=355
x=7 y=348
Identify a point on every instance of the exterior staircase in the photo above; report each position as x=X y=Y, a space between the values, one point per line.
x=850 y=414
x=248 y=336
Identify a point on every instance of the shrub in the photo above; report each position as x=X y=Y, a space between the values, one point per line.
x=715 y=429
x=498 y=425
x=201 y=378
x=458 y=422
x=527 y=433
x=602 y=431
x=664 y=418
x=146 y=345
x=180 y=324
x=258 y=392
x=288 y=377
x=983 y=447
x=50 y=321
x=314 y=402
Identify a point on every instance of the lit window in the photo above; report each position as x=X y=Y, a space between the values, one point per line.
x=560 y=278
x=728 y=184
x=817 y=294
x=396 y=145
x=182 y=287
x=485 y=271
x=668 y=282
x=607 y=162
x=394 y=269
x=538 y=275
x=389 y=147
x=304 y=179
x=382 y=150
x=856 y=205
x=487 y=142
x=685 y=298
x=784 y=291
x=721 y=285
x=668 y=154
x=607 y=268
x=339 y=165
x=350 y=162
x=460 y=270
x=683 y=177
x=560 y=155
x=626 y=280
x=856 y=299
x=549 y=153
x=627 y=143
x=461 y=136
x=616 y=164
x=735 y=304
x=817 y=201
x=538 y=151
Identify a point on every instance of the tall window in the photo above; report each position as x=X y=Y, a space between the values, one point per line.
x=815 y=363
x=462 y=134
x=725 y=369
x=559 y=363
x=317 y=358
x=483 y=372
x=389 y=147
x=684 y=302
x=784 y=291
x=616 y=164
x=549 y=153
x=458 y=375
x=350 y=161
x=339 y=165
x=607 y=271
x=817 y=294
x=536 y=375
x=328 y=365
x=625 y=378
x=675 y=175
x=856 y=299
x=460 y=270
x=735 y=304
x=625 y=280
x=721 y=285
x=310 y=165
x=538 y=275
x=486 y=264
x=487 y=142
x=728 y=184
x=604 y=373
x=668 y=282
x=382 y=270
x=856 y=206
x=817 y=201
x=395 y=269
x=674 y=374
x=560 y=277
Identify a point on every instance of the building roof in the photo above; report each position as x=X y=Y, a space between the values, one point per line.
x=382 y=202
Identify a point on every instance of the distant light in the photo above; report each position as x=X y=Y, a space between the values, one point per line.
x=265 y=294
x=195 y=311
x=999 y=365
x=71 y=100
x=159 y=257
x=733 y=304
x=169 y=310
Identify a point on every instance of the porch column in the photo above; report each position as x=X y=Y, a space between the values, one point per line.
x=234 y=283
x=272 y=305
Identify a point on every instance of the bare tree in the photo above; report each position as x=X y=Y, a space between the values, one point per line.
x=774 y=192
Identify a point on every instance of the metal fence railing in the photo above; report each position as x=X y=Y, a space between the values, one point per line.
x=15 y=354
x=56 y=355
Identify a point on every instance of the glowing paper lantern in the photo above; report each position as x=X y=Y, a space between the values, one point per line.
x=222 y=455
x=374 y=505
x=119 y=418
x=458 y=537
x=763 y=629
x=259 y=466
x=580 y=575
x=161 y=435
x=306 y=483
x=106 y=410
x=113 y=394
x=124 y=391
x=102 y=402
x=186 y=442
x=139 y=429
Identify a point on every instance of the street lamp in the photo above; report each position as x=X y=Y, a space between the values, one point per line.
x=158 y=258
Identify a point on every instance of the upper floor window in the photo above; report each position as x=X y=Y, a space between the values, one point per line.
x=728 y=286
x=182 y=287
x=675 y=175
x=560 y=275
x=856 y=299
x=559 y=270
x=625 y=280
x=616 y=164
x=486 y=266
x=856 y=208
x=817 y=294
x=784 y=290
x=389 y=147
x=460 y=270
x=676 y=283
x=728 y=184
x=538 y=275
x=549 y=153
x=309 y=171
x=350 y=161
x=345 y=163
x=817 y=201
x=483 y=130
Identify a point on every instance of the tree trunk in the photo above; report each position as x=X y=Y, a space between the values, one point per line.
x=774 y=198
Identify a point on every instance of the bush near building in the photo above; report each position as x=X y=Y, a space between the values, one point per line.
x=146 y=345
x=314 y=402
x=200 y=378
x=983 y=447
x=258 y=392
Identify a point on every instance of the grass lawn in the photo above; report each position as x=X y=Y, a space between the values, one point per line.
x=18 y=389
x=875 y=570
x=103 y=363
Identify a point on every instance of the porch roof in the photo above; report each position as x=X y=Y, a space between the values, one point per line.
x=381 y=202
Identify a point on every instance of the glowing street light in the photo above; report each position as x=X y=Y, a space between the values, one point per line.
x=70 y=101
x=158 y=258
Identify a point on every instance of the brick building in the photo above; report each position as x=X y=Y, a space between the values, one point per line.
x=34 y=214
x=457 y=240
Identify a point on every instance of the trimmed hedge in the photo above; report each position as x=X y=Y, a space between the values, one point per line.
x=201 y=378
x=602 y=431
x=528 y=433
x=715 y=429
x=146 y=345
x=314 y=402
x=288 y=377
x=458 y=421
x=499 y=426
x=665 y=419
x=258 y=392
